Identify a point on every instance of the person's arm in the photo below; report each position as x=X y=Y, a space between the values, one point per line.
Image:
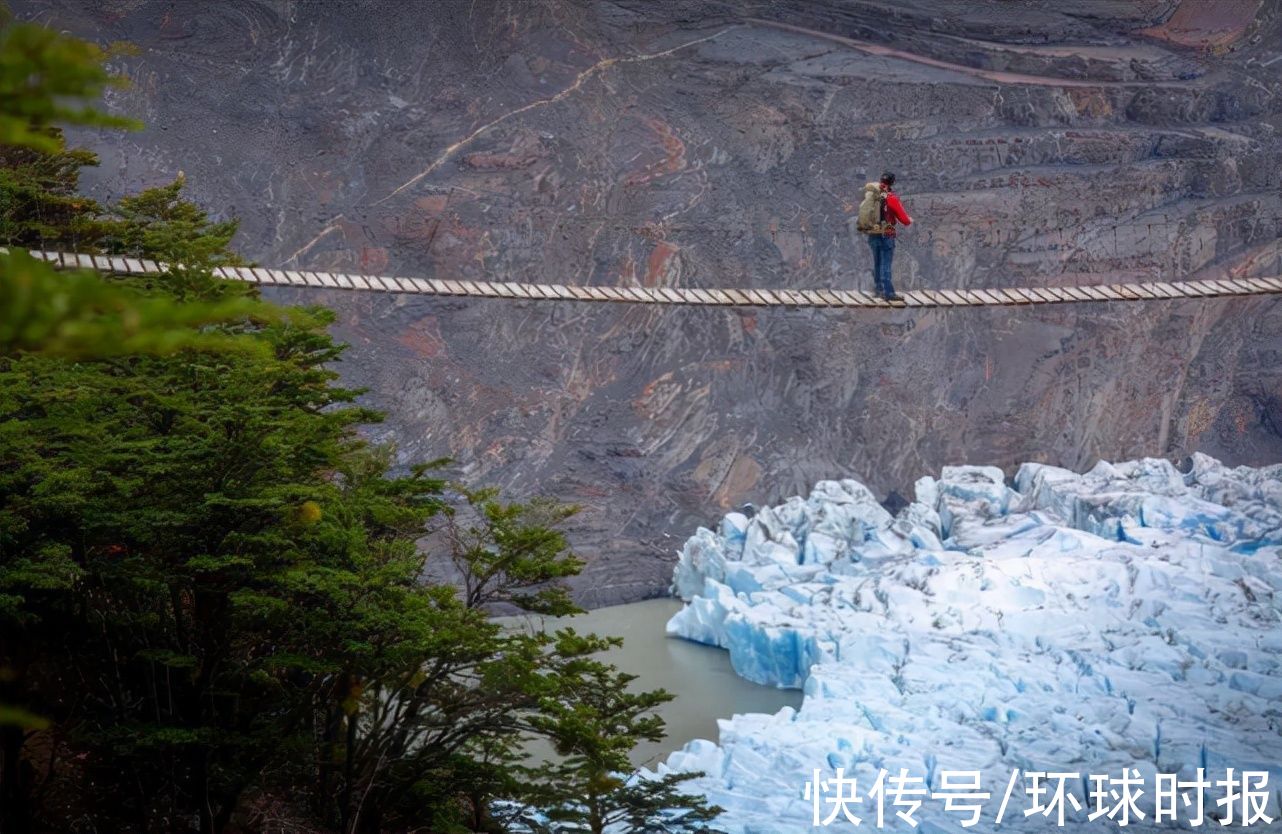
x=896 y=209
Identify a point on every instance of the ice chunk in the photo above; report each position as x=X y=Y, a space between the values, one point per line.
x=1127 y=617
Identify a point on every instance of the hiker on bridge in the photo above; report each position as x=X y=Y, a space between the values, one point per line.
x=878 y=214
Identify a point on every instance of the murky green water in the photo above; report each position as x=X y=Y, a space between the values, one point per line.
x=700 y=676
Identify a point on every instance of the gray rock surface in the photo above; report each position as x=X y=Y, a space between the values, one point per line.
x=723 y=144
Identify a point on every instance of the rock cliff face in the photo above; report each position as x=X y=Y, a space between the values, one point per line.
x=635 y=142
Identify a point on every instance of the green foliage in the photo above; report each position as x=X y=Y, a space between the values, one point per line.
x=513 y=555
x=80 y=316
x=44 y=78
x=212 y=601
x=40 y=206
x=593 y=726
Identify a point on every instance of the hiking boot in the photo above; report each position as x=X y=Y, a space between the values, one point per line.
x=892 y=296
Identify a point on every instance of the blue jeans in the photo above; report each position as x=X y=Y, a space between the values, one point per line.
x=883 y=254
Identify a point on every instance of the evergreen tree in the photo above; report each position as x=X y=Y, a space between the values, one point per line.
x=213 y=612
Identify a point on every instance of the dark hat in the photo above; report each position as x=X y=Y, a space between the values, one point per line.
x=888 y=178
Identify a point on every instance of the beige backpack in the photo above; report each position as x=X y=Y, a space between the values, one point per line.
x=872 y=210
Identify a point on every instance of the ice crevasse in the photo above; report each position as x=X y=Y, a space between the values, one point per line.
x=1124 y=619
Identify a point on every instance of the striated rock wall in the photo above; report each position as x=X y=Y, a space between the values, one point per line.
x=632 y=142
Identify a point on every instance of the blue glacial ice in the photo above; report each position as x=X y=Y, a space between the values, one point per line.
x=1125 y=618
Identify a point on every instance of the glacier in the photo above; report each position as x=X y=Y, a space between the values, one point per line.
x=1122 y=620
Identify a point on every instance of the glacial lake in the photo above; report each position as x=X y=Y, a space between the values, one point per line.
x=700 y=676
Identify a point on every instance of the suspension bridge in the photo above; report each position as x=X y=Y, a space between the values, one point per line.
x=992 y=297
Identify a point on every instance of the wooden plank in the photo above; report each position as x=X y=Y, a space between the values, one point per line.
x=629 y=294
x=1237 y=285
x=738 y=298
x=914 y=298
x=936 y=298
x=133 y=266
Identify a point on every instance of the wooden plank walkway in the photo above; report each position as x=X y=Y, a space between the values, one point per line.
x=1153 y=290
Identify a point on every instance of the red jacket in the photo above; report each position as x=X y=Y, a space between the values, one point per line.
x=895 y=213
